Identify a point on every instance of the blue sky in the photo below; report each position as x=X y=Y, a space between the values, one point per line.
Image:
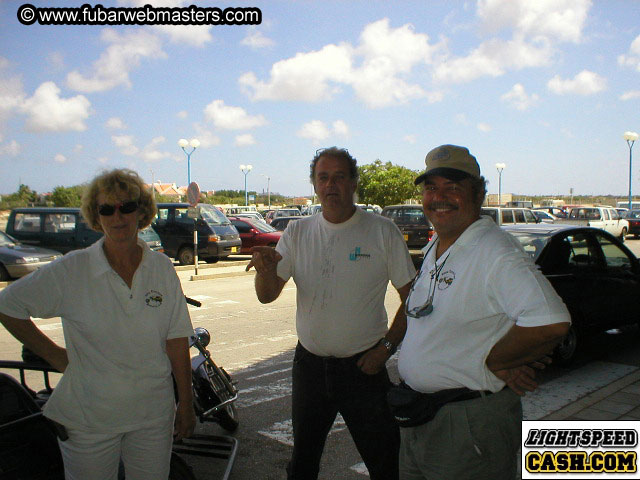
x=547 y=87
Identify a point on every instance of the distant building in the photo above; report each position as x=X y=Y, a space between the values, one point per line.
x=494 y=200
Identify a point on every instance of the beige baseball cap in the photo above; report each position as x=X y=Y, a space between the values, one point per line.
x=450 y=161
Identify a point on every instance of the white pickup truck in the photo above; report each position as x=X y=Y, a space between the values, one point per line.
x=605 y=218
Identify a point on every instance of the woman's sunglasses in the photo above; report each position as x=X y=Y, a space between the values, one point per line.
x=107 y=210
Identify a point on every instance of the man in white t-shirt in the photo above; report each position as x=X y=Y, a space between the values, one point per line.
x=478 y=313
x=341 y=260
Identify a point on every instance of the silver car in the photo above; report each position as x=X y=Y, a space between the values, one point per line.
x=17 y=260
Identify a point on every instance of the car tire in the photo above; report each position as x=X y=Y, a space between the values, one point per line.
x=565 y=352
x=4 y=275
x=185 y=256
x=623 y=234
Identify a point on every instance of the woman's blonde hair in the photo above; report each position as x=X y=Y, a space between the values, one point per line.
x=112 y=183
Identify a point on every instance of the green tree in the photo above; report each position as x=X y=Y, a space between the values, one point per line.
x=67 y=196
x=386 y=184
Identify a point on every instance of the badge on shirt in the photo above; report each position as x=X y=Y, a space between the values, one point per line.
x=153 y=298
x=446 y=279
x=356 y=255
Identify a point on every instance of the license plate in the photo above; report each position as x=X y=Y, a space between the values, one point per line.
x=234 y=249
x=406 y=237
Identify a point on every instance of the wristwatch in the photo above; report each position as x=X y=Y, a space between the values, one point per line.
x=391 y=348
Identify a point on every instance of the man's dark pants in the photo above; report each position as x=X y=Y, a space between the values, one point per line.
x=324 y=386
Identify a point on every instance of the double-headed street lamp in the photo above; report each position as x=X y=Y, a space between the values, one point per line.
x=245 y=169
x=268 y=189
x=630 y=137
x=184 y=143
x=500 y=167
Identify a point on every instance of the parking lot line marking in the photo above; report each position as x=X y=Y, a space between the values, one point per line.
x=283 y=431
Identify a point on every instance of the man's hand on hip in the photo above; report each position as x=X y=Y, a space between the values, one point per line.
x=372 y=361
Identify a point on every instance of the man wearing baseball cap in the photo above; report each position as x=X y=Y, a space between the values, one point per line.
x=478 y=313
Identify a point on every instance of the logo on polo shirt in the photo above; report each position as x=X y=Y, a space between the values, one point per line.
x=356 y=255
x=153 y=298
x=446 y=279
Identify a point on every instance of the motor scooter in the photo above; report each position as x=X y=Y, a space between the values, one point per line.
x=28 y=443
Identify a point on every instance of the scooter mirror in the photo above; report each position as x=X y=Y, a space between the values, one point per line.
x=203 y=336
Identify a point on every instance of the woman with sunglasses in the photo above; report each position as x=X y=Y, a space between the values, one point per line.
x=126 y=329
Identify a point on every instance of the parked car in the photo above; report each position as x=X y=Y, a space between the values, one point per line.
x=592 y=271
x=61 y=229
x=281 y=223
x=282 y=212
x=313 y=209
x=604 y=217
x=509 y=216
x=255 y=233
x=217 y=238
x=17 y=260
x=544 y=217
x=254 y=215
x=555 y=211
x=414 y=225
x=633 y=217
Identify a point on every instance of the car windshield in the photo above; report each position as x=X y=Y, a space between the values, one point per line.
x=6 y=240
x=213 y=215
x=261 y=226
x=533 y=243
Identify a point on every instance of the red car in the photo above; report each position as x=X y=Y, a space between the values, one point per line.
x=254 y=232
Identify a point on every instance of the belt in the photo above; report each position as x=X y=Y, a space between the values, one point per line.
x=470 y=395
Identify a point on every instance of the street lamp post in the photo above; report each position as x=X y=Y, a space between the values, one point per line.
x=630 y=137
x=245 y=169
x=500 y=167
x=183 y=144
x=268 y=188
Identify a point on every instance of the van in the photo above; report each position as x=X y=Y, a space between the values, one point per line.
x=217 y=237
x=231 y=211
x=509 y=216
x=61 y=228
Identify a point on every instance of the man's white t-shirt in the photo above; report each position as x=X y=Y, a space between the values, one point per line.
x=119 y=376
x=341 y=272
x=482 y=285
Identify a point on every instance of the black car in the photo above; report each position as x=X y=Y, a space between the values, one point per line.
x=414 y=225
x=633 y=217
x=592 y=271
x=280 y=223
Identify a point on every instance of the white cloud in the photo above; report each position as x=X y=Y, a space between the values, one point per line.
x=340 y=128
x=561 y=20
x=483 y=127
x=150 y=153
x=304 y=77
x=410 y=139
x=191 y=35
x=231 y=118
x=47 y=112
x=125 y=144
x=182 y=114
x=256 y=39
x=103 y=160
x=386 y=57
x=115 y=123
x=315 y=130
x=245 y=140
x=493 y=58
x=207 y=138
x=518 y=98
x=10 y=149
x=56 y=60
x=632 y=60
x=60 y=158
x=78 y=148
x=11 y=93
x=124 y=53
x=630 y=95
x=584 y=83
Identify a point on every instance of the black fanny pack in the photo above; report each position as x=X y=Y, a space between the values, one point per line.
x=411 y=408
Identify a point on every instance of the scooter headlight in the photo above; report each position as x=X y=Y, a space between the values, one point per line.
x=203 y=336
